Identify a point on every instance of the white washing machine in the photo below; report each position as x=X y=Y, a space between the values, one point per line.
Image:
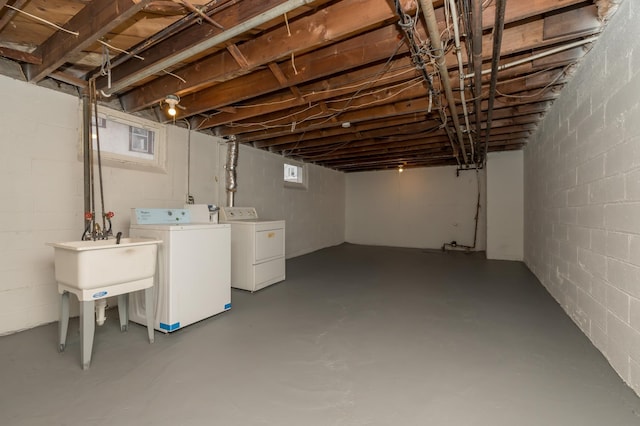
x=257 y=248
x=193 y=280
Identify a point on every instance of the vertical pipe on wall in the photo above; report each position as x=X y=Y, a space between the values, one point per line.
x=86 y=152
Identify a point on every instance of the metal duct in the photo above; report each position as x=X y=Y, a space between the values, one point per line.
x=230 y=168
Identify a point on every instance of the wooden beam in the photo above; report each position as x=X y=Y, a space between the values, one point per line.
x=520 y=10
x=69 y=79
x=238 y=56
x=94 y=21
x=374 y=46
x=239 y=89
x=19 y=55
x=328 y=25
x=186 y=39
x=284 y=82
x=10 y=13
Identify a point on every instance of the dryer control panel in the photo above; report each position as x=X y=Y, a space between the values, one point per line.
x=238 y=213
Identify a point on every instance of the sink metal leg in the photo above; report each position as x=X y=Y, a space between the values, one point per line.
x=63 y=322
x=87 y=329
x=123 y=311
x=148 y=307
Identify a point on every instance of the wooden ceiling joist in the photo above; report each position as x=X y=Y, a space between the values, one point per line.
x=92 y=23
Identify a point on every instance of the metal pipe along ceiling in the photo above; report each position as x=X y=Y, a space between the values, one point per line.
x=434 y=35
x=497 y=43
x=207 y=44
x=476 y=14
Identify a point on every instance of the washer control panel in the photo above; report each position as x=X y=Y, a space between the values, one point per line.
x=238 y=213
x=160 y=216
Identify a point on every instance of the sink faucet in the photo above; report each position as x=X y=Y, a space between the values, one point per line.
x=118 y=236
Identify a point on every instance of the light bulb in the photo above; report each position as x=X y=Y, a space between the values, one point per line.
x=400 y=169
x=172 y=101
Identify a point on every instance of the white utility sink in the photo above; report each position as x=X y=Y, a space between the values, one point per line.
x=95 y=270
x=89 y=265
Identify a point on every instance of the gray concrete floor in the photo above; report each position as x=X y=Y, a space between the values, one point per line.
x=355 y=336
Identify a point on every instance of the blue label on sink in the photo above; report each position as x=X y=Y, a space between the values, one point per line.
x=99 y=294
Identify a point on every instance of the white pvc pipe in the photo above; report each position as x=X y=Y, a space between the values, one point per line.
x=101 y=305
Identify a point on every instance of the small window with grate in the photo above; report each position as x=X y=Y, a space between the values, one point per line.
x=295 y=175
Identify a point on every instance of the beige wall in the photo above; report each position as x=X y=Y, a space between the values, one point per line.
x=41 y=187
x=505 y=205
x=314 y=216
x=41 y=192
x=421 y=208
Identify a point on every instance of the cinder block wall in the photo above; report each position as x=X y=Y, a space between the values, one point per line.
x=582 y=196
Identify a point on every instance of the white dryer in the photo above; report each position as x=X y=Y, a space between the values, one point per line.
x=257 y=248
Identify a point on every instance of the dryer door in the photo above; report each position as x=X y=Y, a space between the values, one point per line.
x=269 y=244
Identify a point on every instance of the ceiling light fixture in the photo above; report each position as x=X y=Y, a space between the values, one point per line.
x=400 y=169
x=172 y=101
x=346 y=125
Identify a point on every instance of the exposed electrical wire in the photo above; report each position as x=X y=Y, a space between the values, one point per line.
x=286 y=21
x=293 y=63
x=175 y=76
x=326 y=91
x=541 y=91
x=117 y=49
x=391 y=96
x=265 y=124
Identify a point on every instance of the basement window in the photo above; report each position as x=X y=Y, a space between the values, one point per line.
x=295 y=175
x=128 y=141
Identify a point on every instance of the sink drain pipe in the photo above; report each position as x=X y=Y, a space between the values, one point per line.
x=230 y=170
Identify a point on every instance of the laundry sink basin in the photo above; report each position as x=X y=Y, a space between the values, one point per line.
x=94 y=270
x=91 y=265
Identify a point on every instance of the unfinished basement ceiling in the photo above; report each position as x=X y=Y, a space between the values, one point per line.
x=352 y=85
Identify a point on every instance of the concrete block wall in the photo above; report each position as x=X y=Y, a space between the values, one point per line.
x=582 y=196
